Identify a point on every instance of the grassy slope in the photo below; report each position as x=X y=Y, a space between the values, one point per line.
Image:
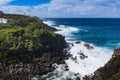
x=25 y=38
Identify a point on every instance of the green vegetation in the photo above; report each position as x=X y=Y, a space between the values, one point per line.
x=19 y=21
x=25 y=37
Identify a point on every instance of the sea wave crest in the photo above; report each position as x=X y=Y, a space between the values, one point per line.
x=84 y=58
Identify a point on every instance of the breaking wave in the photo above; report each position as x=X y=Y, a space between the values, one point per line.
x=84 y=58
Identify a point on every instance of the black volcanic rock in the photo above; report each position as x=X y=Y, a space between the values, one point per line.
x=77 y=42
x=23 y=71
x=28 y=47
x=110 y=71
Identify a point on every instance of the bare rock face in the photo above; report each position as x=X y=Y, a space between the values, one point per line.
x=77 y=42
x=88 y=46
x=110 y=71
x=25 y=71
x=82 y=55
x=116 y=53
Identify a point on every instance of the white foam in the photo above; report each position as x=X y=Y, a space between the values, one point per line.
x=63 y=29
x=95 y=57
x=60 y=74
x=66 y=30
x=50 y=23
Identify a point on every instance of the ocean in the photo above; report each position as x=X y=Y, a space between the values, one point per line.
x=102 y=35
x=103 y=32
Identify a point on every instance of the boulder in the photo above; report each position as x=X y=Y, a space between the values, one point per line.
x=116 y=53
x=88 y=46
x=77 y=42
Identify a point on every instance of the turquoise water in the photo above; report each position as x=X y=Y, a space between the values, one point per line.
x=103 y=32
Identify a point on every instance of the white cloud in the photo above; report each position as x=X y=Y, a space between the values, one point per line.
x=3 y=2
x=69 y=8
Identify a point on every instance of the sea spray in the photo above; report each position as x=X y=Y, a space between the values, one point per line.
x=84 y=60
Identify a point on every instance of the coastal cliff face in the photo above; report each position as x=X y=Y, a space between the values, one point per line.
x=110 y=71
x=28 y=47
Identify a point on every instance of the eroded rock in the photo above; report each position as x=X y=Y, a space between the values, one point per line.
x=110 y=71
x=88 y=46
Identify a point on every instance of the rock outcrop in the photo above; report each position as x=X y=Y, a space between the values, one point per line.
x=28 y=47
x=25 y=71
x=110 y=71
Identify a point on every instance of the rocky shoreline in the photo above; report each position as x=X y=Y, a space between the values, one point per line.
x=31 y=50
x=110 y=71
x=25 y=71
x=23 y=56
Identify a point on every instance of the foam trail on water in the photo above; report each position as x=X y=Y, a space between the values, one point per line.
x=66 y=30
x=50 y=23
x=63 y=29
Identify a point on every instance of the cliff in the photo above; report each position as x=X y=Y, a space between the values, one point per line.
x=110 y=71
x=28 y=47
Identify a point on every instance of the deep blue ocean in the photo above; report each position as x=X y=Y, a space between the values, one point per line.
x=103 y=32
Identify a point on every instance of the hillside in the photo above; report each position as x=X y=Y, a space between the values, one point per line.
x=28 y=47
x=17 y=21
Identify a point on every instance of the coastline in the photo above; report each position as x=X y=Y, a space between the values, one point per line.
x=63 y=60
x=104 y=71
x=28 y=48
x=82 y=56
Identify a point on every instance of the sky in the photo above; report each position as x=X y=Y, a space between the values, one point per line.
x=63 y=8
